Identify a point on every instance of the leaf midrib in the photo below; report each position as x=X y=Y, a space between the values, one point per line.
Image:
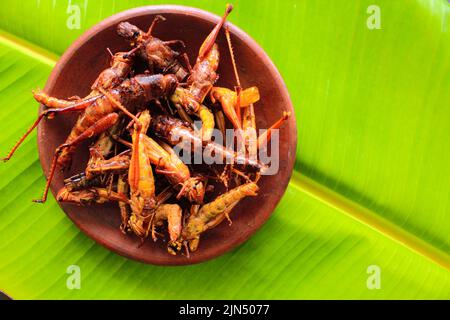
x=28 y=48
x=370 y=218
x=299 y=181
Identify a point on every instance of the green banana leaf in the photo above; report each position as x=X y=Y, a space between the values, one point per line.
x=371 y=187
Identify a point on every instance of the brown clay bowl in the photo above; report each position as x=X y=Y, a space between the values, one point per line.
x=87 y=56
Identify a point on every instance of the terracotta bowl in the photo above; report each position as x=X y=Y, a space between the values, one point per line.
x=87 y=56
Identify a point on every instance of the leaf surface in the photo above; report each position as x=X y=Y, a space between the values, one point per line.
x=372 y=177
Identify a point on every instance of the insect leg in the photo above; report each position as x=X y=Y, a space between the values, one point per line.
x=186 y=61
x=46 y=113
x=211 y=38
x=100 y=126
x=238 y=82
x=175 y=42
x=264 y=138
x=154 y=22
x=56 y=103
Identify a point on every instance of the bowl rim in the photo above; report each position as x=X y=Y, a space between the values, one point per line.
x=237 y=32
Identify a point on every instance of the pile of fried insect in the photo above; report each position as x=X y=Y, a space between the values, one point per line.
x=146 y=114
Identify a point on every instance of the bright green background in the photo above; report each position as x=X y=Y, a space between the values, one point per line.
x=373 y=110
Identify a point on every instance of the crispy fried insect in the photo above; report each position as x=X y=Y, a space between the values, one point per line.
x=228 y=99
x=132 y=92
x=117 y=164
x=203 y=74
x=141 y=181
x=172 y=214
x=168 y=163
x=207 y=119
x=89 y=196
x=101 y=149
x=213 y=213
x=178 y=132
x=232 y=102
x=123 y=189
x=121 y=65
x=79 y=181
x=120 y=68
x=159 y=55
x=55 y=103
x=82 y=191
x=201 y=80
